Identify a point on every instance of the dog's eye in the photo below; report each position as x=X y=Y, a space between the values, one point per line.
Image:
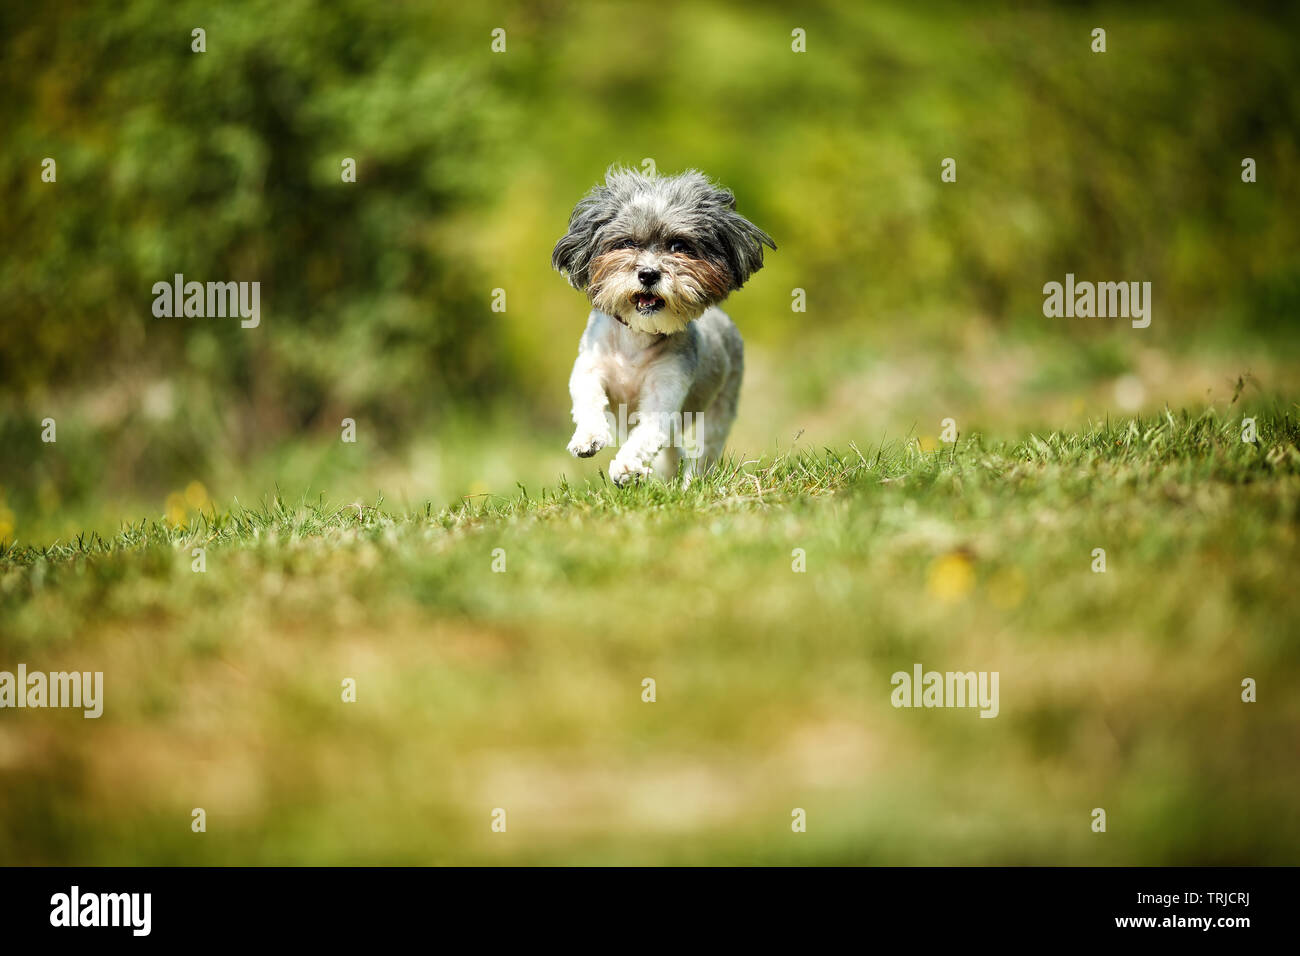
x=679 y=245
x=624 y=244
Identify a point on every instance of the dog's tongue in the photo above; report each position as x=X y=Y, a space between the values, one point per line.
x=644 y=299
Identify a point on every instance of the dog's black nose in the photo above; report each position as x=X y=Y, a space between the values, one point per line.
x=648 y=277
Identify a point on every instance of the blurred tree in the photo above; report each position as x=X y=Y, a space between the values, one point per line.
x=227 y=165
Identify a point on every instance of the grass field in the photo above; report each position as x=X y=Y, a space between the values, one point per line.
x=522 y=689
x=393 y=178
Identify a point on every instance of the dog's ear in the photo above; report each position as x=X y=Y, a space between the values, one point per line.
x=740 y=240
x=572 y=254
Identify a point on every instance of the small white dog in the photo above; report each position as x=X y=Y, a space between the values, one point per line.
x=656 y=255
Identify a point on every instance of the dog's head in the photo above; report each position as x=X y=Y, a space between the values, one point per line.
x=657 y=251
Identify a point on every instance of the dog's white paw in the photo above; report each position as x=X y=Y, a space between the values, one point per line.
x=586 y=442
x=625 y=472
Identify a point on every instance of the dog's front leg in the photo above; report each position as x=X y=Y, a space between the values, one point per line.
x=658 y=419
x=590 y=409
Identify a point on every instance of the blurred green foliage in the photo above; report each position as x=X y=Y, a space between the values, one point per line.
x=225 y=165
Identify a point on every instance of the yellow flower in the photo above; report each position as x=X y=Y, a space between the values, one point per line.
x=196 y=496
x=175 y=508
x=927 y=443
x=6 y=523
x=951 y=577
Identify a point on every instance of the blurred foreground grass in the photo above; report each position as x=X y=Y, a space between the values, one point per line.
x=522 y=689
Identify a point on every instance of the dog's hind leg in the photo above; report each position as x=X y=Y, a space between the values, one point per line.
x=665 y=463
x=713 y=425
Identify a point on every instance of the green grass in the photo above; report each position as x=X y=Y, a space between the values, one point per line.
x=522 y=689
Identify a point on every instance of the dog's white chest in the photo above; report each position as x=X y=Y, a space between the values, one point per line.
x=623 y=378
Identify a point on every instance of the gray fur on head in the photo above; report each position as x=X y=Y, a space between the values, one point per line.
x=634 y=210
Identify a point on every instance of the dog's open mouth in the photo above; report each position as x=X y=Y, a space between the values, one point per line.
x=647 y=303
